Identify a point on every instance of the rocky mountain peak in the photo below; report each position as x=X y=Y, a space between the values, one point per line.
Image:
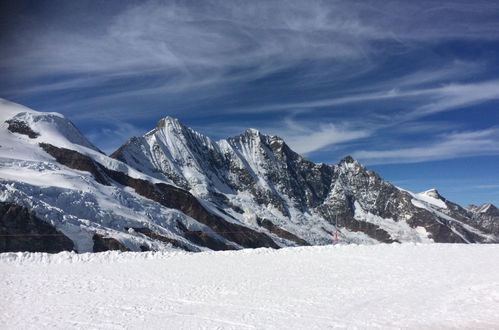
x=252 y=132
x=433 y=193
x=488 y=209
x=348 y=160
x=169 y=123
x=349 y=164
x=472 y=207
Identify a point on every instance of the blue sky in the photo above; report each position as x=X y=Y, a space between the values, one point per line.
x=409 y=88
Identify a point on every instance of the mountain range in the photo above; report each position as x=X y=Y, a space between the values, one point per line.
x=174 y=188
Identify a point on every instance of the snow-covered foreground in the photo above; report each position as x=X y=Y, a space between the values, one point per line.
x=381 y=286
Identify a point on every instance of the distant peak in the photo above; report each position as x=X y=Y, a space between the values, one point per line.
x=276 y=139
x=487 y=208
x=348 y=160
x=252 y=131
x=168 y=120
x=472 y=207
x=433 y=193
x=251 y=134
x=349 y=164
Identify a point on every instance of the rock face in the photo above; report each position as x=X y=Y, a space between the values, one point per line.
x=18 y=126
x=485 y=217
x=21 y=230
x=166 y=195
x=75 y=160
x=174 y=188
x=102 y=244
x=253 y=176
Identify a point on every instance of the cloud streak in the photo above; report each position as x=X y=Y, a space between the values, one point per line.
x=329 y=60
x=206 y=42
x=455 y=145
x=306 y=139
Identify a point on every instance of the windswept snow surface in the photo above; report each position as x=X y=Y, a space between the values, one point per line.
x=382 y=286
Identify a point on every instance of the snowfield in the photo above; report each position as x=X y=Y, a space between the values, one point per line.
x=345 y=286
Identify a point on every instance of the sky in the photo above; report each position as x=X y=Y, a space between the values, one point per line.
x=408 y=88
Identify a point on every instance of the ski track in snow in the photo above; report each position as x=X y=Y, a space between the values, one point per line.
x=383 y=286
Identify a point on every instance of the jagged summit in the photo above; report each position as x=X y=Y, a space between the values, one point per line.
x=252 y=131
x=168 y=120
x=348 y=159
x=488 y=208
x=349 y=164
x=168 y=123
x=433 y=193
x=250 y=134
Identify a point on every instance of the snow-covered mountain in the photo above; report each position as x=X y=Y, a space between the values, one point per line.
x=174 y=188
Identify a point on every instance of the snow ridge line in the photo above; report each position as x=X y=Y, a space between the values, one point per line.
x=66 y=257
x=69 y=257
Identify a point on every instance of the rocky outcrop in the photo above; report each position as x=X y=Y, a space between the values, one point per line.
x=21 y=230
x=170 y=241
x=75 y=160
x=267 y=224
x=20 y=127
x=102 y=244
x=486 y=217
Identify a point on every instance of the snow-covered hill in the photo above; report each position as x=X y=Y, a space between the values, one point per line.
x=395 y=286
x=50 y=172
x=177 y=189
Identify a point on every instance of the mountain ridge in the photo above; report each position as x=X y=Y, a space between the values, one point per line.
x=174 y=188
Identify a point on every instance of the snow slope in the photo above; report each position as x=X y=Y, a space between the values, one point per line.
x=362 y=287
x=71 y=200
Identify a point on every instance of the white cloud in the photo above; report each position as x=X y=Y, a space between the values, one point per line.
x=443 y=98
x=305 y=138
x=455 y=145
x=456 y=96
x=205 y=42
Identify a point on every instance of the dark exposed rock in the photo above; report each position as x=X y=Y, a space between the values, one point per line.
x=75 y=160
x=486 y=217
x=164 y=194
x=265 y=223
x=173 y=242
x=21 y=127
x=182 y=200
x=287 y=172
x=21 y=230
x=102 y=244
x=204 y=239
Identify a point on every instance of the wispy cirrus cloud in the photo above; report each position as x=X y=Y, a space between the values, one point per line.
x=331 y=60
x=308 y=137
x=208 y=41
x=446 y=146
x=442 y=98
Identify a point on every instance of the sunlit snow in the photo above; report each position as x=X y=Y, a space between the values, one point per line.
x=430 y=286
